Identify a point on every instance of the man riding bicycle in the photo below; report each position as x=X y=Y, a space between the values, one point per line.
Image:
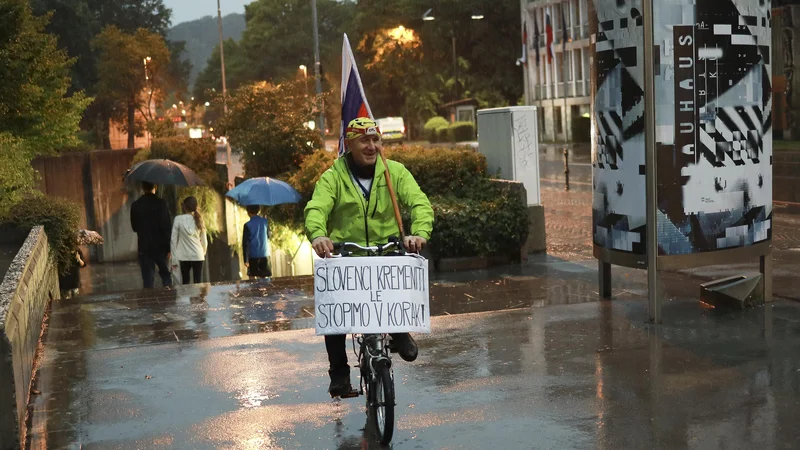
x=351 y=203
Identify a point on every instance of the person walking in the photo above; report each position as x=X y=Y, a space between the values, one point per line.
x=189 y=242
x=151 y=223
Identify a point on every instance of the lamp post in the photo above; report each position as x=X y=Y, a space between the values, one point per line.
x=224 y=88
x=317 y=70
x=429 y=16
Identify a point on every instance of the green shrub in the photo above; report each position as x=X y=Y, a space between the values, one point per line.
x=60 y=218
x=433 y=124
x=462 y=131
x=443 y=134
x=491 y=222
x=442 y=171
x=581 y=129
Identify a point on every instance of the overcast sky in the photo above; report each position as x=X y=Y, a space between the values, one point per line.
x=186 y=10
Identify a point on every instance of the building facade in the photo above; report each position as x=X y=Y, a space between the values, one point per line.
x=556 y=75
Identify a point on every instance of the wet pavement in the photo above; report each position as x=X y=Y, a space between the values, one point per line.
x=193 y=368
x=520 y=356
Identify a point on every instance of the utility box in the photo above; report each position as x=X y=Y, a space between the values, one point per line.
x=509 y=138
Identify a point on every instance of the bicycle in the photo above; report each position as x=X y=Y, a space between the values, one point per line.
x=374 y=355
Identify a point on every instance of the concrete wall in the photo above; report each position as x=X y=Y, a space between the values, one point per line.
x=94 y=180
x=29 y=285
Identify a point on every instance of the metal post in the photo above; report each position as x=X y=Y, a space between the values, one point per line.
x=455 y=62
x=224 y=87
x=317 y=70
x=653 y=291
x=604 y=274
x=564 y=71
x=765 y=266
x=566 y=168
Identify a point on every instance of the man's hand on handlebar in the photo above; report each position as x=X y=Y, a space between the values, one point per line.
x=323 y=246
x=414 y=244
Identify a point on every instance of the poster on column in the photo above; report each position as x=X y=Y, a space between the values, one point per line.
x=618 y=154
x=371 y=295
x=713 y=124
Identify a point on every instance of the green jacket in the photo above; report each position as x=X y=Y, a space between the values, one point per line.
x=339 y=211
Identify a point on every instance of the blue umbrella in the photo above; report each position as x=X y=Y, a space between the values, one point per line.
x=263 y=191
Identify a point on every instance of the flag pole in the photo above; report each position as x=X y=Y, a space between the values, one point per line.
x=393 y=196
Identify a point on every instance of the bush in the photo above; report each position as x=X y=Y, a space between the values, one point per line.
x=442 y=171
x=493 y=222
x=443 y=134
x=267 y=123
x=17 y=177
x=581 y=129
x=462 y=131
x=60 y=218
x=431 y=127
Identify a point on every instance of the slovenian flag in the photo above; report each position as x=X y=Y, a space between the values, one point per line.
x=354 y=102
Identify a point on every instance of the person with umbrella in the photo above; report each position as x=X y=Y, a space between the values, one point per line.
x=150 y=217
x=252 y=194
x=151 y=222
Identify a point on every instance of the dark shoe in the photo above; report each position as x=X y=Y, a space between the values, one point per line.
x=340 y=385
x=406 y=346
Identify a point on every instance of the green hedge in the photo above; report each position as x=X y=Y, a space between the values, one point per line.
x=462 y=131
x=442 y=171
x=489 y=221
x=443 y=134
x=431 y=127
x=60 y=218
x=474 y=216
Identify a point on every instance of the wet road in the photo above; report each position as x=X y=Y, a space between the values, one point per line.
x=524 y=357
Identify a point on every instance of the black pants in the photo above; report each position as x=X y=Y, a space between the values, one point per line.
x=148 y=264
x=336 y=345
x=196 y=267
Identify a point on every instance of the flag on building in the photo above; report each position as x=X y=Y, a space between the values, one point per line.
x=354 y=102
x=524 y=58
x=536 y=39
x=548 y=31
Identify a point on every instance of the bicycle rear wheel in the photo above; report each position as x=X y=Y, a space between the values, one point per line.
x=381 y=402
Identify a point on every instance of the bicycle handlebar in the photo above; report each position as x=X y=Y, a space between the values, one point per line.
x=338 y=247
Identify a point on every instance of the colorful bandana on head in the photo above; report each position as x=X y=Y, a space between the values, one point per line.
x=361 y=126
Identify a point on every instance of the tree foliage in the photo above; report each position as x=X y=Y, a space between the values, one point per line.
x=266 y=122
x=35 y=79
x=133 y=72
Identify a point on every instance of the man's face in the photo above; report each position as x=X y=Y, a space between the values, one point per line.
x=365 y=149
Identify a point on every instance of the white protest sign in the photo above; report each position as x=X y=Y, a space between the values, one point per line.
x=379 y=294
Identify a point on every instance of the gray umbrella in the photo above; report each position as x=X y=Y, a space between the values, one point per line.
x=163 y=171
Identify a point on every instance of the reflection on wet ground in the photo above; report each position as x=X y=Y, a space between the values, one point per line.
x=572 y=375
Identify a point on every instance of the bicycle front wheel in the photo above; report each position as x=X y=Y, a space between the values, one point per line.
x=382 y=404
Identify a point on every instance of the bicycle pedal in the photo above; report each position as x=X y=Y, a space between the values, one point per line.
x=352 y=394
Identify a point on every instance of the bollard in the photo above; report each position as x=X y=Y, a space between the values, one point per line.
x=566 y=168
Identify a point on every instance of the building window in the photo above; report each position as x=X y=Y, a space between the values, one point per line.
x=578 y=64
x=558 y=120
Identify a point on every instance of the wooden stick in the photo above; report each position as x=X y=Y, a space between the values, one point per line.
x=393 y=196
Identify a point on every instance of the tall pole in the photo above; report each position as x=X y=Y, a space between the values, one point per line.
x=455 y=62
x=564 y=66
x=224 y=87
x=317 y=71
x=653 y=300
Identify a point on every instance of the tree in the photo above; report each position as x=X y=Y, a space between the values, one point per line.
x=78 y=22
x=35 y=78
x=132 y=70
x=277 y=40
x=267 y=123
